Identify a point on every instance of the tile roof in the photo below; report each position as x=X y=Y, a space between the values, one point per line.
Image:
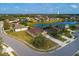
x=18 y=26
x=35 y=31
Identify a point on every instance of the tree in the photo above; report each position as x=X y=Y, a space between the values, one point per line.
x=6 y=25
x=24 y=23
x=73 y=27
x=39 y=41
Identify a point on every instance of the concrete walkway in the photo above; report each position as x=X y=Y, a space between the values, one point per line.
x=8 y=50
x=70 y=30
x=55 y=40
x=67 y=38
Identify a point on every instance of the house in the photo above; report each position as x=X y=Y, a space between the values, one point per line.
x=51 y=29
x=15 y=20
x=35 y=31
x=77 y=27
x=23 y=20
x=18 y=27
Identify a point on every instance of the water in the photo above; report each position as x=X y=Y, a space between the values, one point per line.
x=54 y=24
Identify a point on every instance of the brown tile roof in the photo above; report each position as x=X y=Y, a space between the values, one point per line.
x=35 y=31
x=18 y=26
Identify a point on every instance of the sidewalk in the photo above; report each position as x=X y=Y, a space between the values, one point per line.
x=7 y=49
x=55 y=40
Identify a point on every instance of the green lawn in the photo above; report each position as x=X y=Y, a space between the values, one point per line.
x=26 y=37
x=61 y=39
x=50 y=44
x=57 y=36
x=43 y=43
x=21 y=35
x=4 y=54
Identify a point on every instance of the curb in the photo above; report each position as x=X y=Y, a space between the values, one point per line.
x=6 y=47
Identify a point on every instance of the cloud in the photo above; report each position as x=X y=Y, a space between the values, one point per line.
x=74 y=6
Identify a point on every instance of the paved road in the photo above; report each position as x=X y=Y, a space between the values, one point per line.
x=68 y=50
x=23 y=50
x=19 y=47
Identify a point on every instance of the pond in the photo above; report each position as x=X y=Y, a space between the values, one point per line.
x=54 y=24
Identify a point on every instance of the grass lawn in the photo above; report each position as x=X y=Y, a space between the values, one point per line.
x=26 y=37
x=42 y=42
x=4 y=54
x=22 y=35
x=67 y=33
x=61 y=39
x=50 y=44
x=57 y=36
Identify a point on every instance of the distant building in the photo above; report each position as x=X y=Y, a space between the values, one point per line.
x=18 y=27
x=77 y=27
x=23 y=20
x=15 y=20
x=28 y=18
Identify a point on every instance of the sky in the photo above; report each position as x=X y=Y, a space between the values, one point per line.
x=39 y=8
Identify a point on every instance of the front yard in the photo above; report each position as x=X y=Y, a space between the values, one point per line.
x=23 y=35
x=42 y=42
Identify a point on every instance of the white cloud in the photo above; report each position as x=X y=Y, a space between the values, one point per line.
x=74 y=6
